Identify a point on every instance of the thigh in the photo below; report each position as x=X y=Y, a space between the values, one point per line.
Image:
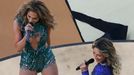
x=27 y=72
x=50 y=70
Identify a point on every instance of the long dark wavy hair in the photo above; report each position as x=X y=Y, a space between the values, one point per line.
x=107 y=48
x=38 y=7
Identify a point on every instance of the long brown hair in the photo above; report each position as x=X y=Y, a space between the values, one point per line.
x=107 y=48
x=38 y=7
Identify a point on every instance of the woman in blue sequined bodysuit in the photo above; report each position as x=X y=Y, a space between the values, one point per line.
x=106 y=58
x=32 y=26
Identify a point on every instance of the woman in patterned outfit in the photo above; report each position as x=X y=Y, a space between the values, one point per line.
x=106 y=58
x=32 y=26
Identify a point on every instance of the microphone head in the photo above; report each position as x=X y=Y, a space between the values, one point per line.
x=31 y=23
x=89 y=61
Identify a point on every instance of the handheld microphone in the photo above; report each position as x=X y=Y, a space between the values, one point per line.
x=28 y=33
x=86 y=63
x=31 y=23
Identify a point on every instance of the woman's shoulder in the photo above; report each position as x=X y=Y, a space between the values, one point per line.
x=103 y=69
x=19 y=20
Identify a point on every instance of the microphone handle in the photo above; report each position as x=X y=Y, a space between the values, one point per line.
x=86 y=63
x=78 y=68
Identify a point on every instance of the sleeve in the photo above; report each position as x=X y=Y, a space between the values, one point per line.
x=85 y=72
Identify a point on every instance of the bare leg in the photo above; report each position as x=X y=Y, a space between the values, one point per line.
x=50 y=70
x=27 y=72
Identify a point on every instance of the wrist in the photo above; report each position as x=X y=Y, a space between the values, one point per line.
x=27 y=37
x=84 y=69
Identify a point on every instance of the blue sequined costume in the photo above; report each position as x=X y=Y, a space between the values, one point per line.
x=39 y=58
x=100 y=69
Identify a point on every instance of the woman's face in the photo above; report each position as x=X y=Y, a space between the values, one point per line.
x=98 y=55
x=32 y=17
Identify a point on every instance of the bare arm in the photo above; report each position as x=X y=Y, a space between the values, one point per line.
x=19 y=40
x=49 y=41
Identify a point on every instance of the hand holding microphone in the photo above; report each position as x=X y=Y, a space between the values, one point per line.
x=86 y=64
x=28 y=30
